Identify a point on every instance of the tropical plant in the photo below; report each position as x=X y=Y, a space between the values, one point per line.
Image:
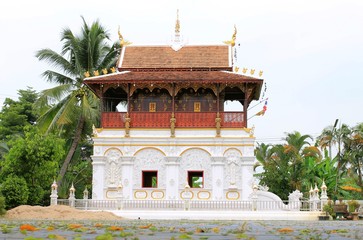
x=289 y=166
x=15 y=191
x=16 y=114
x=34 y=158
x=349 y=157
x=71 y=106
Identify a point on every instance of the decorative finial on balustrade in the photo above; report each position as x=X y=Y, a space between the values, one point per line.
x=54 y=193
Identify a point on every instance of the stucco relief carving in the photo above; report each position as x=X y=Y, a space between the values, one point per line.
x=195 y=159
x=97 y=150
x=113 y=167
x=233 y=168
x=126 y=182
x=171 y=182
x=218 y=182
x=149 y=159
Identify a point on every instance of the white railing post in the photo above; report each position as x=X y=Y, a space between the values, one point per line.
x=187 y=197
x=254 y=198
x=324 y=195
x=54 y=194
x=72 y=197
x=311 y=193
x=85 y=198
x=119 y=197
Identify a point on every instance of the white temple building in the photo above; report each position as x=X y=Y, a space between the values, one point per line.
x=174 y=137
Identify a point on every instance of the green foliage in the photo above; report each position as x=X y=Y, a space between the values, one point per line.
x=348 y=141
x=72 y=106
x=15 y=115
x=79 y=172
x=15 y=191
x=328 y=208
x=36 y=159
x=2 y=206
x=286 y=165
x=353 y=205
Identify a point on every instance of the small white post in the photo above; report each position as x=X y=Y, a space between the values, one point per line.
x=85 y=198
x=311 y=198
x=254 y=197
x=54 y=194
x=316 y=197
x=119 y=197
x=324 y=195
x=187 y=197
x=72 y=197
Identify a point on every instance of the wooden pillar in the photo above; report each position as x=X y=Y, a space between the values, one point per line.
x=218 y=118
x=127 y=118
x=245 y=105
x=128 y=97
x=172 y=119
x=102 y=103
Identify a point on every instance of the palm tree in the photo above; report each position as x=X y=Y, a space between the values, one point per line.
x=339 y=137
x=70 y=106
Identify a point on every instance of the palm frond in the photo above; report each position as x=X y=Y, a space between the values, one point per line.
x=59 y=78
x=51 y=96
x=55 y=60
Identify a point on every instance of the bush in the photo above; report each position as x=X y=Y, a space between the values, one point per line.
x=328 y=208
x=15 y=191
x=2 y=206
x=36 y=195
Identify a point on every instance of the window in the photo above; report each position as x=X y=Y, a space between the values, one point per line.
x=195 y=179
x=152 y=107
x=197 y=107
x=149 y=179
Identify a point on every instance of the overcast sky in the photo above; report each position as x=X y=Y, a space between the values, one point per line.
x=311 y=51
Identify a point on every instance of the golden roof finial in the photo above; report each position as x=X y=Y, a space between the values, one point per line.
x=177 y=24
x=177 y=44
x=232 y=42
x=123 y=42
x=120 y=36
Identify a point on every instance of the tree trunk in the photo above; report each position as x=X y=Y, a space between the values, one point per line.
x=67 y=160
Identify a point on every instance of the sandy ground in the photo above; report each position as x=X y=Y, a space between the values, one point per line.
x=57 y=212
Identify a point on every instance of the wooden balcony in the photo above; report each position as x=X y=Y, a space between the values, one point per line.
x=183 y=119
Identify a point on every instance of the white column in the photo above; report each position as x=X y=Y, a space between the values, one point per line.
x=172 y=177
x=98 y=177
x=247 y=176
x=218 y=177
x=127 y=176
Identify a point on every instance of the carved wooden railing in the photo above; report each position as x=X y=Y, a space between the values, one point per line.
x=183 y=119
x=195 y=119
x=150 y=119
x=113 y=119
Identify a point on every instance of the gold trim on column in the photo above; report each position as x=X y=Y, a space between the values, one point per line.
x=141 y=191
x=200 y=198
x=107 y=191
x=156 y=191
x=228 y=198
x=181 y=194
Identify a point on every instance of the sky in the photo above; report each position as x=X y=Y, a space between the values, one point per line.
x=310 y=51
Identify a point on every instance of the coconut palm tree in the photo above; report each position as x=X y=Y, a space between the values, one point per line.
x=70 y=106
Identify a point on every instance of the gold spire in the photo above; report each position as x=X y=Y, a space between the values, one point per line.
x=120 y=37
x=177 y=24
x=123 y=42
x=177 y=44
x=232 y=42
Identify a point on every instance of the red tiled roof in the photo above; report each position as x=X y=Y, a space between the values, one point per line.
x=214 y=56
x=172 y=76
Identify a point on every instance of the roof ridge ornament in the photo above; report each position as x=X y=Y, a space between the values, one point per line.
x=123 y=42
x=177 y=44
x=232 y=42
